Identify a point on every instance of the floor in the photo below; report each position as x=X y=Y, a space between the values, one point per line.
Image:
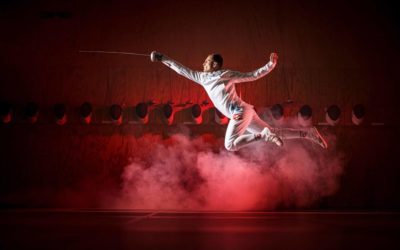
x=119 y=229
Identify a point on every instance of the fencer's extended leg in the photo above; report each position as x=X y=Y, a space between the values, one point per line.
x=311 y=134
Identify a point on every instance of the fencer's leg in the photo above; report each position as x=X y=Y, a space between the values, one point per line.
x=311 y=134
x=290 y=133
x=236 y=138
x=264 y=130
x=242 y=141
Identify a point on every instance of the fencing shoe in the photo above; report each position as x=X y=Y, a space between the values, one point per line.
x=268 y=136
x=314 y=136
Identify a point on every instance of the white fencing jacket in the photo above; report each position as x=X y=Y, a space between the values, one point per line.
x=220 y=85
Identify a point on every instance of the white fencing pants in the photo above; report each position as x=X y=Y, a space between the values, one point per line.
x=244 y=131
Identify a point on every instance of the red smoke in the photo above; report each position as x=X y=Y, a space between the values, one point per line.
x=181 y=173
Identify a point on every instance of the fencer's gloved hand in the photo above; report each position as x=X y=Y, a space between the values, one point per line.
x=156 y=56
x=273 y=58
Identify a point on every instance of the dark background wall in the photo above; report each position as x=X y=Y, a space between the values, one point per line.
x=332 y=52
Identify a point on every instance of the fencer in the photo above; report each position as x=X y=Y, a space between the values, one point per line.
x=245 y=126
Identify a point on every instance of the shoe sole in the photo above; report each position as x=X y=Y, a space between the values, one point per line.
x=325 y=144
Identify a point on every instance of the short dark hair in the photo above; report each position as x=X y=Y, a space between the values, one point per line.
x=218 y=59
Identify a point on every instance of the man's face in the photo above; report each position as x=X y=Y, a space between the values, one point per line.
x=209 y=64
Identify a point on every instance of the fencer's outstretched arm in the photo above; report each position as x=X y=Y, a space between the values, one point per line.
x=176 y=66
x=258 y=73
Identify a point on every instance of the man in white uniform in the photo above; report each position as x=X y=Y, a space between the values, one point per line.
x=245 y=126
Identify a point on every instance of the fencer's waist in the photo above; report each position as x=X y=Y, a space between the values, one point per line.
x=228 y=109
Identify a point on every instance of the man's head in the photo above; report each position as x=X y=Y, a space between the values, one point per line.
x=213 y=62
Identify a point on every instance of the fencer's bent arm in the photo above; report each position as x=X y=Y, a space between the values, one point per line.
x=182 y=70
x=254 y=75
